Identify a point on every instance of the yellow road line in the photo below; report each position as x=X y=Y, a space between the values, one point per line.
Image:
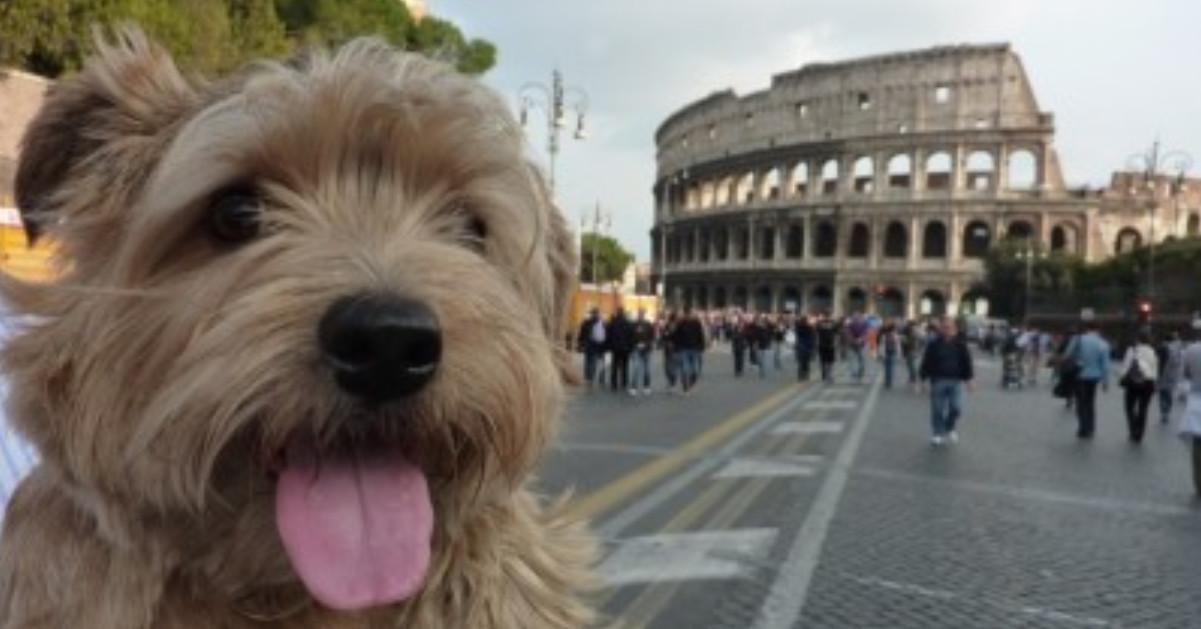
x=618 y=491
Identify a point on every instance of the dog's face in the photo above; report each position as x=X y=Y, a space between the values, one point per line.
x=319 y=304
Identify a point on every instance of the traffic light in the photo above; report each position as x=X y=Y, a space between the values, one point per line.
x=1144 y=310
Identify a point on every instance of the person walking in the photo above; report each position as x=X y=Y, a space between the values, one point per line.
x=889 y=347
x=827 y=339
x=620 y=334
x=1140 y=369
x=671 y=361
x=640 y=359
x=1170 y=354
x=1091 y=353
x=590 y=341
x=689 y=342
x=806 y=342
x=856 y=342
x=1190 y=420
x=764 y=333
x=947 y=365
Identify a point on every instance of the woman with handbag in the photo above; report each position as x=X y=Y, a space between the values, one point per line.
x=1140 y=368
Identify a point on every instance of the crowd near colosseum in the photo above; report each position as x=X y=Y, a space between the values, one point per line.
x=880 y=184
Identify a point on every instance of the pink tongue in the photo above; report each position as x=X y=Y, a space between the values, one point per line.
x=358 y=532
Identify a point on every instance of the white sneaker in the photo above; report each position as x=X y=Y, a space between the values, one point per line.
x=936 y=440
x=646 y=391
x=634 y=392
x=952 y=437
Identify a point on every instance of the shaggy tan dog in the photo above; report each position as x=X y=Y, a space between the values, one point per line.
x=303 y=359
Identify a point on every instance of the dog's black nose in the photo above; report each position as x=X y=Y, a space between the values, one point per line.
x=381 y=348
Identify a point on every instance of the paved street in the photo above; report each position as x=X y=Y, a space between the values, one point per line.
x=765 y=504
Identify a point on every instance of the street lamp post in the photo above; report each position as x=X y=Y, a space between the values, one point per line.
x=1171 y=165
x=554 y=101
x=1028 y=254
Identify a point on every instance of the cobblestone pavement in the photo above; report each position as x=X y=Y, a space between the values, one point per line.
x=832 y=510
x=1018 y=525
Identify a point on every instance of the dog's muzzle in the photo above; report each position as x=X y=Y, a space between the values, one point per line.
x=380 y=347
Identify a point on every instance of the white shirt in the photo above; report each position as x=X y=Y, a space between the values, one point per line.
x=1148 y=362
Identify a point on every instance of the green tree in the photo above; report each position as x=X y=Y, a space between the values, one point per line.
x=607 y=254
x=50 y=37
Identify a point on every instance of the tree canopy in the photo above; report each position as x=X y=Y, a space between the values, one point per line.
x=51 y=37
x=610 y=259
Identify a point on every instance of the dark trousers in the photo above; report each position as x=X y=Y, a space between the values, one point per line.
x=804 y=358
x=739 y=357
x=825 y=355
x=1138 y=399
x=1086 y=407
x=619 y=376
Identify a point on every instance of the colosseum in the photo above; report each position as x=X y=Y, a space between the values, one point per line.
x=880 y=184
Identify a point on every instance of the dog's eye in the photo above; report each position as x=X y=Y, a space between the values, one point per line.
x=472 y=231
x=236 y=216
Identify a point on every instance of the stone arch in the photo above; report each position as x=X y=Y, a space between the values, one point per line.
x=976 y=239
x=900 y=171
x=719 y=297
x=767 y=242
x=856 y=299
x=1063 y=239
x=864 y=174
x=981 y=171
x=771 y=185
x=705 y=244
x=861 y=241
x=933 y=303
x=739 y=298
x=830 y=175
x=821 y=299
x=792 y=299
x=1129 y=239
x=725 y=188
x=938 y=171
x=800 y=179
x=890 y=302
x=1019 y=229
x=934 y=240
x=689 y=242
x=744 y=192
x=742 y=243
x=763 y=299
x=974 y=302
x=794 y=246
x=1193 y=227
x=825 y=239
x=1022 y=170
x=721 y=243
x=896 y=240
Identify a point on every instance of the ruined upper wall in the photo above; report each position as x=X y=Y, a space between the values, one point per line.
x=938 y=90
x=21 y=96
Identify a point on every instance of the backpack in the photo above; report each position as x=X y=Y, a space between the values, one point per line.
x=1134 y=375
x=598 y=332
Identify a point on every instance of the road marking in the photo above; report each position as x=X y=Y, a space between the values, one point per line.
x=807 y=428
x=761 y=467
x=620 y=490
x=687 y=556
x=1042 y=614
x=782 y=607
x=619 y=448
x=828 y=404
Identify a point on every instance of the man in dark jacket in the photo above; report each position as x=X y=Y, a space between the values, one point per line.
x=689 y=340
x=620 y=338
x=827 y=337
x=806 y=342
x=947 y=365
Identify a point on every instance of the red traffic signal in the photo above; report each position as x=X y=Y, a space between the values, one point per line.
x=1144 y=310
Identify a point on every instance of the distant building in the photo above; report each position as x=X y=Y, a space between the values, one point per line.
x=880 y=184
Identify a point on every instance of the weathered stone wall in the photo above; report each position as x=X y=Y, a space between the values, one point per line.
x=878 y=183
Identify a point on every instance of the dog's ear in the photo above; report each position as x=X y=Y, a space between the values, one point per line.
x=128 y=92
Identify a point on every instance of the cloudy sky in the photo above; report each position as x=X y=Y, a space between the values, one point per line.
x=1117 y=74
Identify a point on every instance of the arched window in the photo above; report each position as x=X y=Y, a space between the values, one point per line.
x=742 y=243
x=900 y=171
x=1194 y=225
x=860 y=241
x=721 y=244
x=938 y=171
x=976 y=238
x=826 y=240
x=896 y=241
x=1020 y=230
x=1128 y=240
x=1023 y=174
x=795 y=248
x=934 y=240
x=767 y=243
x=1059 y=239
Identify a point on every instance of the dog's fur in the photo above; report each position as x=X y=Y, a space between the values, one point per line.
x=164 y=370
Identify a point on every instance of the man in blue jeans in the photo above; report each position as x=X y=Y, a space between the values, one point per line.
x=947 y=365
